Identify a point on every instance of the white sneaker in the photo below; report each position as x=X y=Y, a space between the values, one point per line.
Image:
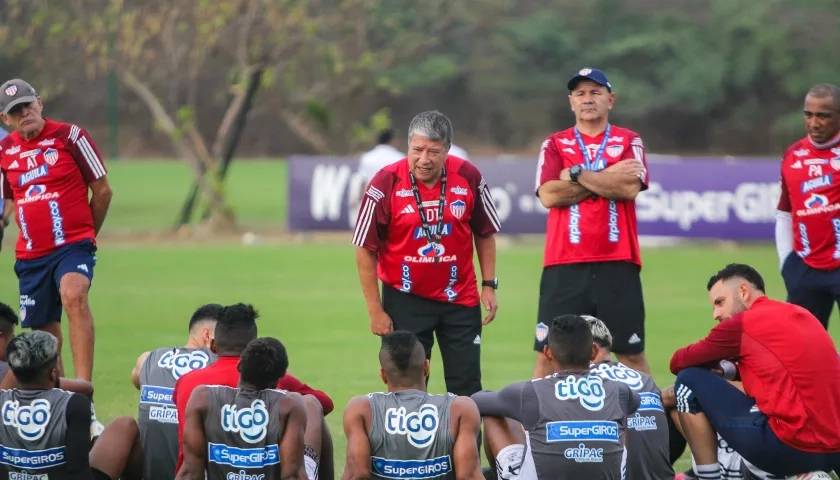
x=811 y=476
x=96 y=426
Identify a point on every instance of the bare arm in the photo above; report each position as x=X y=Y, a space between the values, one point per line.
x=74 y=385
x=357 y=462
x=8 y=209
x=291 y=445
x=465 y=451
x=366 y=263
x=135 y=374
x=100 y=200
x=611 y=185
x=195 y=441
x=562 y=193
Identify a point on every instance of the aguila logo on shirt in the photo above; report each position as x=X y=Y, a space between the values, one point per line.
x=458 y=208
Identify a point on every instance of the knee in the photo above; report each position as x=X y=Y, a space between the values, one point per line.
x=126 y=425
x=688 y=378
x=74 y=294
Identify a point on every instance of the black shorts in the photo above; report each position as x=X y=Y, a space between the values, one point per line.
x=100 y=475
x=458 y=332
x=611 y=291
x=814 y=290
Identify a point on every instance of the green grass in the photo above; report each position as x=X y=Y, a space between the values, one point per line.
x=308 y=295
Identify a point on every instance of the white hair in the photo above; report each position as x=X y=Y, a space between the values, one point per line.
x=31 y=350
x=600 y=333
x=433 y=125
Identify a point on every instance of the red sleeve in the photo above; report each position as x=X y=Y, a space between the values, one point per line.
x=637 y=152
x=374 y=216
x=85 y=154
x=723 y=342
x=485 y=220
x=292 y=384
x=784 y=198
x=549 y=165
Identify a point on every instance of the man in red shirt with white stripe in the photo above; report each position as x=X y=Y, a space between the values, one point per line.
x=415 y=232
x=787 y=419
x=808 y=217
x=589 y=176
x=47 y=169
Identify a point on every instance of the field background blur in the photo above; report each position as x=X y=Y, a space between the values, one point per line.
x=163 y=93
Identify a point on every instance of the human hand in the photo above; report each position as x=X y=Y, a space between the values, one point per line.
x=381 y=324
x=630 y=167
x=488 y=300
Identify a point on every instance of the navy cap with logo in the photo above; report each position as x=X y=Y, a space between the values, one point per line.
x=591 y=74
x=15 y=92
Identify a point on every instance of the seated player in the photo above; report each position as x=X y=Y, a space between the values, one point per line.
x=234 y=330
x=408 y=432
x=252 y=431
x=776 y=347
x=8 y=322
x=647 y=430
x=45 y=430
x=155 y=375
x=573 y=421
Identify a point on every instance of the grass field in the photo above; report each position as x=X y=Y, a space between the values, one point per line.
x=308 y=295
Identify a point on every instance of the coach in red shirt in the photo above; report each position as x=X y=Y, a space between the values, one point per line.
x=47 y=170
x=234 y=330
x=588 y=177
x=415 y=232
x=787 y=419
x=808 y=217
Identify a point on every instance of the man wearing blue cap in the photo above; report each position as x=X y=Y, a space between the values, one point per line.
x=588 y=177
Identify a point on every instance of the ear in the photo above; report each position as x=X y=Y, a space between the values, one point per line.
x=426 y=369
x=548 y=354
x=54 y=377
x=612 y=99
x=5 y=119
x=595 y=351
x=571 y=105
x=382 y=376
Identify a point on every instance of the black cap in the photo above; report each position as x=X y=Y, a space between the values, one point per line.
x=14 y=92
x=591 y=74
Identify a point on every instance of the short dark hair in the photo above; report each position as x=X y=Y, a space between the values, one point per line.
x=263 y=363
x=209 y=312
x=570 y=341
x=8 y=319
x=32 y=355
x=402 y=356
x=385 y=136
x=740 y=270
x=235 y=329
x=826 y=90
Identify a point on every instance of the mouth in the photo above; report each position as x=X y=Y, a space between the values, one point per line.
x=424 y=169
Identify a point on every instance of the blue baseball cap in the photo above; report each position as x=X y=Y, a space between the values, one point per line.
x=591 y=74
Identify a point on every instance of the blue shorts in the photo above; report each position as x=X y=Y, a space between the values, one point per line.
x=735 y=417
x=39 y=280
x=814 y=290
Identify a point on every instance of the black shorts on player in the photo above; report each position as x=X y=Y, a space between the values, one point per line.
x=611 y=291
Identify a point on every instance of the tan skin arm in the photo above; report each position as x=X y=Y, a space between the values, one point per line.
x=561 y=193
x=466 y=427
x=100 y=200
x=357 y=418
x=293 y=419
x=135 y=374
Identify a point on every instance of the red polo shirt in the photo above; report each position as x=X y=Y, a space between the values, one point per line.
x=225 y=372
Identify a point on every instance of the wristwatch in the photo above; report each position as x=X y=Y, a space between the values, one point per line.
x=494 y=284
x=574 y=172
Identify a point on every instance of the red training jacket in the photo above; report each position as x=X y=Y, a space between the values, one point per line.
x=788 y=364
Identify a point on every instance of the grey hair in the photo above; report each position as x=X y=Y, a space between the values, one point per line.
x=31 y=350
x=433 y=125
x=600 y=333
x=826 y=90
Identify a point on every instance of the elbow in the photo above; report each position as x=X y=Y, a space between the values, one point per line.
x=545 y=199
x=104 y=194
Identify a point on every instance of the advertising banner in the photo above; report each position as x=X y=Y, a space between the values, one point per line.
x=701 y=198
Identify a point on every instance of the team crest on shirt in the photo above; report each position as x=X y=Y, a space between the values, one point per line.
x=614 y=150
x=51 y=156
x=458 y=208
x=835 y=163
